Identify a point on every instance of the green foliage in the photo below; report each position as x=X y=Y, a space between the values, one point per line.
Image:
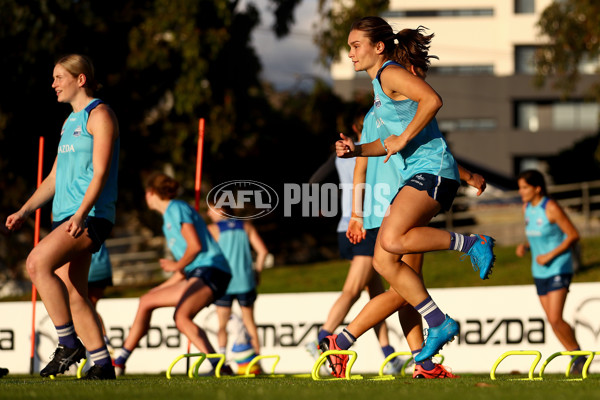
x=336 y=17
x=573 y=28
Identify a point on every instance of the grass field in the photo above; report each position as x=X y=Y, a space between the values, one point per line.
x=157 y=387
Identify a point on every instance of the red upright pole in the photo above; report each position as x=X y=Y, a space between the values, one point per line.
x=199 y=161
x=198 y=181
x=36 y=239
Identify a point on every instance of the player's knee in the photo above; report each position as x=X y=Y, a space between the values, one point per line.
x=352 y=293
x=555 y=320
x=392 y=244
x=33 y=266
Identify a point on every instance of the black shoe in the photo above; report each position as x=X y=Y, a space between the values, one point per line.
x=63 y=358
x=3 y=372
x=98 y=372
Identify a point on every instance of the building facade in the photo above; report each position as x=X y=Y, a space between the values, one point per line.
x=493 y=115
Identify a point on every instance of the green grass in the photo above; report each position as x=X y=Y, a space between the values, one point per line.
x=157 y=387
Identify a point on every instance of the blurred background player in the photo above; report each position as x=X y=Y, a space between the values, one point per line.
x=361 y=275
x=237 y=239
x=200 y=271
x=550 y=237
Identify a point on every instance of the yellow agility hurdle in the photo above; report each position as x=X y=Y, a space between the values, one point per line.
x=80 y=368
x=323 y=357
x=255 y=360
x=193 y=371
x=575 y=355
x=538 y=357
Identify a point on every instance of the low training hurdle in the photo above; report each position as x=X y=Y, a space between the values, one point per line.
x=193 y=371
x=575 y=355
x=255 y=360
x=323 y=357
x=538 y=355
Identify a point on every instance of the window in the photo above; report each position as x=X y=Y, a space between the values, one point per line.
x=463 y=70
x=471 y=12
x=524 y=59
x=533 y=117
x=467 y=124
x=524 y=6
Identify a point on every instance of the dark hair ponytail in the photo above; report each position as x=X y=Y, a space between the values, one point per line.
x=409 y=47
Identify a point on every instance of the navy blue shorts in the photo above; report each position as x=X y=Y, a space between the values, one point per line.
x=98 y=230
x=556 y=282
x=442 y=190
x=216 y=279
x=366 y=246
x=101 y=284
x=245 y=299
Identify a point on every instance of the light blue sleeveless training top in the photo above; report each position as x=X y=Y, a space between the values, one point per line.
x=543 y=237
x=179 y=212
x=100 y=267
x=382 y=180
x=235 y=245
x=74 y=170
x=427 y=152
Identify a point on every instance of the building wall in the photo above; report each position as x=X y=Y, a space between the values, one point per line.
x=483 y=98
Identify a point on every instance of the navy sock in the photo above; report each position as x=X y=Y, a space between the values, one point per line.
x=66 y=335
x=427 y=364
x=123 y=356
x=101 y=357
x=387 y=350
x=430 y=311
x=322 y=334
x=460 y=242
x=345 y=340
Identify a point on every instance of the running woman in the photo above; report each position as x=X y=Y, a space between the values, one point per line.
x=200 y=271
x=361 y=275
x=405 y=107
x=83 y=183
x=237 y=239
x=550 y=237
x=380 y=181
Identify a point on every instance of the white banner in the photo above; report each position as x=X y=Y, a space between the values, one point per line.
x=492 y=321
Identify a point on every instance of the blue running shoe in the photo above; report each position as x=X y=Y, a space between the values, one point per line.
x=482 y=255
x=437 y=337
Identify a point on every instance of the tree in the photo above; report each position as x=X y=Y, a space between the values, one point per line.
x=573 y=30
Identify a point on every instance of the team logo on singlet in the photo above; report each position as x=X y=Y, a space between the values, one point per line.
x=77 y=131
x=377 y=101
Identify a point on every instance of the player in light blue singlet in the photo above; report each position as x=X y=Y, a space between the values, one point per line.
x=429 y=173
x=361 y=274
x=83 y=183
x=376 y=174
x=200 y=271
x=550 y=237
x=237 y=239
